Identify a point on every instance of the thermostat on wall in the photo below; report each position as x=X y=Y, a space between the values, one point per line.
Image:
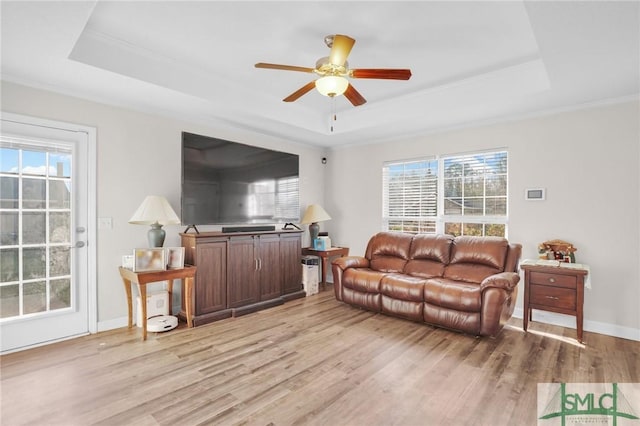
x=535 y=194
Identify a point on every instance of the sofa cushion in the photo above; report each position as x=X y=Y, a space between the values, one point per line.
x=469 y=272
x=370 y=301
x=467 y=322
x=389 y=251
x=475 y=258
x=402 y=308
x=453 y=294
x=363 y=280
x=489 y=251
x=431 y=247
x=428 y=256
x=402 y=287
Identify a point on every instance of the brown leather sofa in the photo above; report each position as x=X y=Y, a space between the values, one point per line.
x=464 y=283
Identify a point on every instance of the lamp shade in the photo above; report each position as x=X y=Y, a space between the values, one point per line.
x=315 y=213
x=155 y=209
x=332 y=85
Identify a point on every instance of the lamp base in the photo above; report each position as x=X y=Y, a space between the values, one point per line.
x=156 y=235
x=314 y=230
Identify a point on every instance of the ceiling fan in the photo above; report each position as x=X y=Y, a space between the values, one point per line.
x=334 y=70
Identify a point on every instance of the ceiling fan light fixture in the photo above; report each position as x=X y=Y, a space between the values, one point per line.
x=332 y=85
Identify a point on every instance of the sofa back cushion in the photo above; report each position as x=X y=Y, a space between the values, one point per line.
x=475 y=258
x=389 y=251
x=428 y=256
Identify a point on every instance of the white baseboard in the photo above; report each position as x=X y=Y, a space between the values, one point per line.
x=113 y=323
x=569 y=321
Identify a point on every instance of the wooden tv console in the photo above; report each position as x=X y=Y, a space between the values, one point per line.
x=243 y=272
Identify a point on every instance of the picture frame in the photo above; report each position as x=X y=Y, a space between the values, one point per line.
x=127 y=261
x=149 y=259
x=175 y=257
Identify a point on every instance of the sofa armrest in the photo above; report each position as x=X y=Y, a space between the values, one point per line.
x=347 y=262
x=503 y=280
x=340 y=265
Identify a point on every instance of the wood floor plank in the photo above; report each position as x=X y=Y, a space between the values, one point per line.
x=311 y=361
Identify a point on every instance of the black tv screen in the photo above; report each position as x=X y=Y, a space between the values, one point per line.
x=225 y=182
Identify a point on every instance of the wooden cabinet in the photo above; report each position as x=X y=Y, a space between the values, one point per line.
x=269 y=266
x=290 y=266
x=254 y=270
x=243 y=272
x=210 y=292
x=239 y=273
x=554 y=289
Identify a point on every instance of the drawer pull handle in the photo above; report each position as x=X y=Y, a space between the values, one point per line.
x=552 y=280
x=552 y=297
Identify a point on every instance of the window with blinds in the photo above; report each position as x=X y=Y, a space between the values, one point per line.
x=410 y=196
x=458 y=195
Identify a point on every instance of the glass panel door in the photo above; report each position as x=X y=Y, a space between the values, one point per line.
x=43 y=216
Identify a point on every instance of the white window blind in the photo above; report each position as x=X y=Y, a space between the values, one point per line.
x=410 y=196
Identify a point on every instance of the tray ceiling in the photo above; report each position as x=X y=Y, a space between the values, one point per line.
x=472 y=62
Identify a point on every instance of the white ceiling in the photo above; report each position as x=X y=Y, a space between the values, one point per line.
x=472 y=62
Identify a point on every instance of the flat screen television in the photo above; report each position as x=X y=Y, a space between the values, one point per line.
x=226 y=182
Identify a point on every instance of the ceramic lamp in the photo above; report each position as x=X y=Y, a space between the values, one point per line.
x=156 y=211
x=312 y=216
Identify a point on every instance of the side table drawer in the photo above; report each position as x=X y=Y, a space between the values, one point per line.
x=556 y=280
x=553 y=297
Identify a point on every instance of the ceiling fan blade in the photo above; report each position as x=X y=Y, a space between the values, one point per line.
x=354 y=96
x=283 y=67
x=340 y=49
x=382 y=73
x=301 y=91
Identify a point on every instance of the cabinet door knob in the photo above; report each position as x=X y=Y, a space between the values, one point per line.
x=552 y=280
x=552 y=297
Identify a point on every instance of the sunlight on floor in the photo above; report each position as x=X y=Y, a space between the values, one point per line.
x=563 y=339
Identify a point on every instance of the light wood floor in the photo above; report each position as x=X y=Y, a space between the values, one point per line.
x=311 y=361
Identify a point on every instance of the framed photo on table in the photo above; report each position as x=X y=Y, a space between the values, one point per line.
x=175 y=257
x=149 y=259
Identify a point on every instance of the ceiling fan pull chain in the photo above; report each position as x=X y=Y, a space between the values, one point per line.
x=333 y=115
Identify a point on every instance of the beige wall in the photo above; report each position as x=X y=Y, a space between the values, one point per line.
x=138 y=155
x=587 y=160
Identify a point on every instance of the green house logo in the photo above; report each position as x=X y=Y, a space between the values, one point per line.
x=588 y=403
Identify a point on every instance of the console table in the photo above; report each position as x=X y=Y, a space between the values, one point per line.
x=555 y=289
x=325 y=255
x=129 y=277
x=243 y=272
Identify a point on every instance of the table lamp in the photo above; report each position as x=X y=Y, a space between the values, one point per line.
x=156 y=211
x=313 y=215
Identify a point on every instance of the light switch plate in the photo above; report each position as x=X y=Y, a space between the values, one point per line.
x=105 y=223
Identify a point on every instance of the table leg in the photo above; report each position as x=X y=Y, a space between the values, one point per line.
x=170 y=291
x=188 y=301
x=142 y=289
x=127 y=290
x=325 y=260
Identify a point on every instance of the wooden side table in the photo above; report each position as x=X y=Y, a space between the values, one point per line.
x=554 y=289
x=325 y=255
x=186 y=274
